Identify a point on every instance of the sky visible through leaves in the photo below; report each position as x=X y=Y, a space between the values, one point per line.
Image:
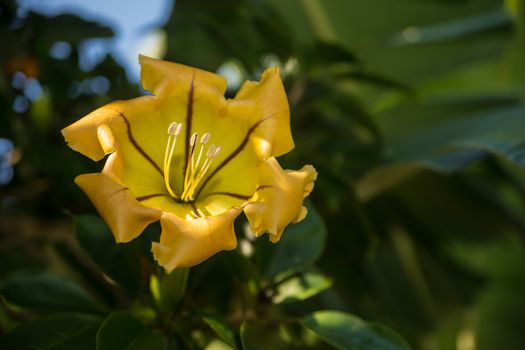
x=131 y=23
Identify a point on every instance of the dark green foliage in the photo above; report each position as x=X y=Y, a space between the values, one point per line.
x=52 y=333
x=46 y=292
x=122 y=262
x=345 y=331
x=123 y=331
x=412 y=112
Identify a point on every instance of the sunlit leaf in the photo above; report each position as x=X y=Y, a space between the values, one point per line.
x=301 y=287
x=223 y=330
x=453 y=29
x=449 y=146
x=348 y=332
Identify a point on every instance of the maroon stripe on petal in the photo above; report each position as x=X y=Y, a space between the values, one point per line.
x=234 y=154
x=137 y=146
x=189 y=120
x=195 y=210
x=149 y=196
x=230 y=194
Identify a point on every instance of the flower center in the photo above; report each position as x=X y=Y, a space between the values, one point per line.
x=196 y=166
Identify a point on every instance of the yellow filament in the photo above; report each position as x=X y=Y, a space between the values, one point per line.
x=195 y=171
x=173 y=132
x=189 y=165
x=212 y=154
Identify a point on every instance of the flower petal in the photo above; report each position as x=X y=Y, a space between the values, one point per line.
x=132 y=132
x=126 y=217
x=279 y=199
x=272 y=112
x=160 y=77
x=206 y=110
x=185 y=243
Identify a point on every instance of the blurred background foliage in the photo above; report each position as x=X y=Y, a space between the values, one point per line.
x=413 y=113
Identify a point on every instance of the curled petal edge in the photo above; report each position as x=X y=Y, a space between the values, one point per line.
x=185 y=243
x=125 y=216
x=279 y=199
x=272 y=113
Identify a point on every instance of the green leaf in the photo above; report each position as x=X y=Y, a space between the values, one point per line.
x=122 y=262
x=449 y=144
x=454 y=29
x=223 y=330
x=301 y=287
x=348 y=332
x=410 y=141
x=58 y=332
x=122 y=330
x=44 y=291
x=301 y=245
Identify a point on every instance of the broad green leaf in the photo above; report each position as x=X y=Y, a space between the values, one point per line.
x=60 y=332
x=122 y=330
x=497 y=125
x=301 y=287
x=45 y=291
x=300 y=245
x=454 y=29
x=223 y=330
x=448 y=145
x=348 y=332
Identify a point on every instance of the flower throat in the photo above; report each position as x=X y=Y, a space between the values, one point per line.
x=194 y=170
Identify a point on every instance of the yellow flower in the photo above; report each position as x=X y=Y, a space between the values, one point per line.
x=194 y=160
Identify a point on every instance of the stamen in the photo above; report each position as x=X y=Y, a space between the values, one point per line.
x=193 y=139
x=217 y=151
x=212 y=153
x=172 y=128
x=195 y=171
x=177 y=129
x=191 y=164
x=205 y=138
x=173 y=131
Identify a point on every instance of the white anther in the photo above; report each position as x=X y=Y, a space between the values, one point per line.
x=205 y=138
x=172 y=128
x=178 y=129
x=217 y=151
x=211 y=151
x=193 y=139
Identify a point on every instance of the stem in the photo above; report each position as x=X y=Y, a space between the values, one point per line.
x=168 y=290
